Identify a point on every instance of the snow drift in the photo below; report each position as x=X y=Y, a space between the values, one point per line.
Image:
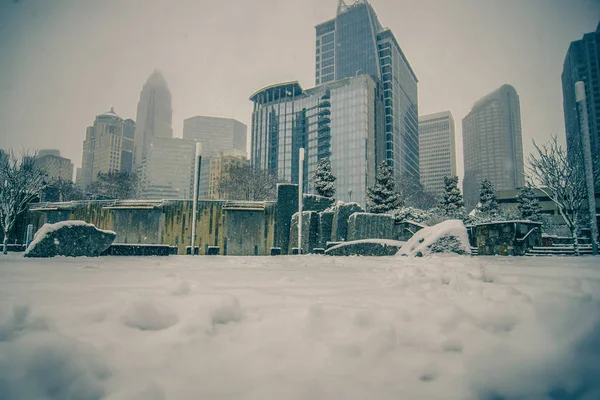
x=447 y=237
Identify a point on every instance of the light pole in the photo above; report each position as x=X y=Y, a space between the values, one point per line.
x=300 y=197
x=195 y=197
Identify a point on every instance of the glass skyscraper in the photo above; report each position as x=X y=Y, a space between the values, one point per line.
x=341 y=120
x=354 y=43
x=493 y=144
x=582 y=63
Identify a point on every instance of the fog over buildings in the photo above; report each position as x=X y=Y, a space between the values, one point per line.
x=66 y=61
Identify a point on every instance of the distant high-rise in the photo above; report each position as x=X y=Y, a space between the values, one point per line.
x=437 y=154
x=168 y=169
x=218 y=169
x=54 y=166
x=354 y=43
x=582 y=63
x=216 y=135
x=493 y=144
x=154 y=116
x=108 y=147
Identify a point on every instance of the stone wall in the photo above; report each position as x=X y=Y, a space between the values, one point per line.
x=244 y=228
x=510 y=238
x=370 y=226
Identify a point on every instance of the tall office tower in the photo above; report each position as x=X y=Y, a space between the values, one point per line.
x=54 y=166
x=582 y=63
x=437 y=154
x=342 y=120
x=154 y=116
x=355 y=43
x=219 y=169
x=168 y=169
x=108 y=147
x=216 y=135
x=492 y=144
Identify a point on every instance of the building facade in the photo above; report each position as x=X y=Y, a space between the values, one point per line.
x=437 y=154
x=582 y=63
x=154 y=116
x=108 y=147
x=54 y=166
x=355 y=43
x=168 y=169
x=219 y=169
x=341 y=120
x=216 y=135
x=493 y=144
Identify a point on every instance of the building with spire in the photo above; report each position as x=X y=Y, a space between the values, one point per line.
x=108 y=147
x=154 y=116
x=355 y=43
x=493 y=144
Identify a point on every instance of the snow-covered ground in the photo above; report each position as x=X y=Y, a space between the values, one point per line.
x=309 y=327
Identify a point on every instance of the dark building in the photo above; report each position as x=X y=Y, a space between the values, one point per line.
x=582 y=63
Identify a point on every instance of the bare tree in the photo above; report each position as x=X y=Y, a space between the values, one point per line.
x=244 y=182
x=20 y=183
x=115 y=185
x=562 y=179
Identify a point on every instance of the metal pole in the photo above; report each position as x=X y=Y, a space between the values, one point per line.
x=195 y=197
x=587 y=157
x=300 y=198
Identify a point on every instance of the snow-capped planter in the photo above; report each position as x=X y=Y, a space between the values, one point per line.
x=366 y=247
x=447 y=237
x=71 y=239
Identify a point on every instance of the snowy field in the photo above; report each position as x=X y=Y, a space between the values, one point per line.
x=310 y=327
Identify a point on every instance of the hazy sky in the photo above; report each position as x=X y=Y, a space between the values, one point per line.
x=62 y=62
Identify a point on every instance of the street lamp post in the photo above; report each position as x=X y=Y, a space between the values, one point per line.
x=300 y=197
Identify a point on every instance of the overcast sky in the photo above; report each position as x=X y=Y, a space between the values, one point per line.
x=62 y=62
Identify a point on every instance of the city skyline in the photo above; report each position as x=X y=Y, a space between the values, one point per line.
x=201 y=84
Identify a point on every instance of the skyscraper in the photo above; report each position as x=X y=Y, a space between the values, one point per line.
x=216 y=135
x=154 y=116
x=492 y=144
x=341 y=120
x=437 y=154
x=108 y=147
x=582 y=63
x=354 y=43
x=168 y=169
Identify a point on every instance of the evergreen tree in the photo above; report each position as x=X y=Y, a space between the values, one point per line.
x=383 y=197
x=488 y=202
x=452 y=204
x=529 y=205
x=323 y=179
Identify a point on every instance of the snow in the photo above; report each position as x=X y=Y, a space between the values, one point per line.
x=299 y=327
x=420 y=242
x=49 y=228
x=384 y=242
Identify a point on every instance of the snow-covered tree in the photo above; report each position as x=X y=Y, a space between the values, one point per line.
x=413 y=194
x=528 y=204
x=488 y=202
x=562 y=179
x=383 y=197
x=452 y=204
x=20 y=182
x=323 y=179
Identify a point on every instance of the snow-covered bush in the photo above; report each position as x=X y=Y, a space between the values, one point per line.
x=447 y=237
